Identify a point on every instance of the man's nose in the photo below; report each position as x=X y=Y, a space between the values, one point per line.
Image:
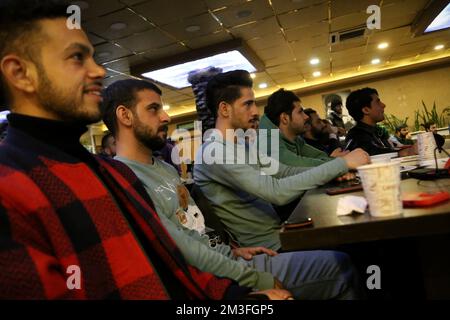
x=164 y=117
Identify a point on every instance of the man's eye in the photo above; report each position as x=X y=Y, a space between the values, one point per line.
x=78 y=56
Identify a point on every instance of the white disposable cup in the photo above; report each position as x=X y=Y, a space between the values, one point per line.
x=426 y=146
x=381 y=184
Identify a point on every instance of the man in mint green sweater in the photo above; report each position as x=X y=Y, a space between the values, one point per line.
x=133 y=113
x=281 y=113
x=242 y=192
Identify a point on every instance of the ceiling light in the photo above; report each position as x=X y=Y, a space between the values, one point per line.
x=439 y=47
x=317 y=74
x=118 y=26
x=176 y=76
x=262 y=85
x=442 y=21
x=3 y=115
x=253 y=76
x=314 y=61
x=166 y=107
x=375 y=61
x=383 y=45
x=192 y=28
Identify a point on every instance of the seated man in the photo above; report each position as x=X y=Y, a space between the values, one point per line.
x=431 y=127
x=285 y=112
x=318 y=133
x=336 y=117
x=73 y=225
x=240 y=183
x=108 y=146
x=366 y=108
x=402 y=137
x=137 y=137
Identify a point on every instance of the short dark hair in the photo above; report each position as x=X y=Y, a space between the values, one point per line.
x=18 y=24
x=428 y=124
x=400 y=127
x=226 y=87
x=359 y=99
x=309 y=111
x=122 y=92
x=105 y=140
x=280 y=101
x=335 y=103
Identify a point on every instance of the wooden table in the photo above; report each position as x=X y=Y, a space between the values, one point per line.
x=330 y=231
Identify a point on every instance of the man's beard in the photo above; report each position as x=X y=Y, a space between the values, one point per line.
x=145 y=136
x=65 y=105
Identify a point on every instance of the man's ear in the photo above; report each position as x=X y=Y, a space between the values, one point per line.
x=284 y=118
x=366 y=110
x=19 y=74
x=124 y=116
x=224 y=109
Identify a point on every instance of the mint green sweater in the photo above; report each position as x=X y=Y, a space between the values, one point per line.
x=298 y=153
x=160 y=181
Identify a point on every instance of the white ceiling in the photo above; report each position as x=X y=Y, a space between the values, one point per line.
x=284 y=34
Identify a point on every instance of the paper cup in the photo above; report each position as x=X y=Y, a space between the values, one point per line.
x=381 y=184
x=426 y=146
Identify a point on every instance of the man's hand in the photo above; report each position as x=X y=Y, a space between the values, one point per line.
x=356 y=158
x=346 y=177
x=276 y=294
x=341 y=131
x=338 y=153
x=248 y=253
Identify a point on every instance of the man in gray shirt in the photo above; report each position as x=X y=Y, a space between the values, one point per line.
x=240 y=191
x=133 y=113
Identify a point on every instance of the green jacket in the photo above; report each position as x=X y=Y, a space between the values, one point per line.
x=298 y=153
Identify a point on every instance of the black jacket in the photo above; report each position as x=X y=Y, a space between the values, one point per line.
x=369 y=138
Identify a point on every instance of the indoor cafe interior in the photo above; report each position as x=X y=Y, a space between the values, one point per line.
x=115 y=115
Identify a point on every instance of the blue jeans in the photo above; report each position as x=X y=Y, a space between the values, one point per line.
x=311 y=275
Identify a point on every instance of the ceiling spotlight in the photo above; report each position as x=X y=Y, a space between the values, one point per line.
x=118 y=26
x=192 y=28
x=262 y=85
x=375 y=61
x=317 y=74
x=166 y=107
x=314 y=61
x=253 y=76
x=439 y=47
x=383 y=45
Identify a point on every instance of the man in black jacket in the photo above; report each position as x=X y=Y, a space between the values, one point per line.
x=365 y=106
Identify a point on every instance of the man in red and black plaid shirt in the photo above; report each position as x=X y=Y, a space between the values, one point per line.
x=73 y=225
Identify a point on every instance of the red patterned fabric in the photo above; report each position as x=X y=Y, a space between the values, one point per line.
x=55 y=212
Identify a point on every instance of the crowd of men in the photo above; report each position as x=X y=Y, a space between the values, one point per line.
x=124 y=217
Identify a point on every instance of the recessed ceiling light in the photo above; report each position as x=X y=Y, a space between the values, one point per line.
x=253 y=76
x=375 y=61
x=176 y=75
x=314 y=61
x=118 y=26
x=104 y=54
x=166 y=107
x=439 y=47
x=383 y=45
x=262 y=85
x=317 y=74
x=243 y=14
x=192 y=28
